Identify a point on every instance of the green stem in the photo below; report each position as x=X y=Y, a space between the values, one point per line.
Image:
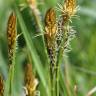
x=52 y=79
x=11 y=77
x=57 y=72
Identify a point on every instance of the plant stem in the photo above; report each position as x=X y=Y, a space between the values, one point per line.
x=57 y=72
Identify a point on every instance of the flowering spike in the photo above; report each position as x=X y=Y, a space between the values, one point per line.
x=50 y=22
x=50 y=36
x=70 y=7
x=51 y=28
x=30 y=81
x=11 y=35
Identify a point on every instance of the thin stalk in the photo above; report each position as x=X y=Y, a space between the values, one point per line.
x=57 y=71
x=37 y=16
x=52 y=87
x=11 y=76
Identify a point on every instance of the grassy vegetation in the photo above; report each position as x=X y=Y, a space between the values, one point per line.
x=29 y=71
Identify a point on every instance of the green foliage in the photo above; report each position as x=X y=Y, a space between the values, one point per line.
x=78 y=67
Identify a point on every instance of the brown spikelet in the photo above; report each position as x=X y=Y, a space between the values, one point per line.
x=50 y=28
x=50 y=22
x=50 y=36
x=1 y=86
x=30 y=80
x=11 y=35
x=70 y=7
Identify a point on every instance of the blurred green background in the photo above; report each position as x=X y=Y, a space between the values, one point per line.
x=79 y=67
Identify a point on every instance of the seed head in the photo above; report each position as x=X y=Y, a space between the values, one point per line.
x=30 y=81
x=50 y=22
x=11 y=35
x=70 y=7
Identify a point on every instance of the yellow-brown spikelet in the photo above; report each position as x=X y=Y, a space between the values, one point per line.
x=1 y=86
x=50 y=36
x=50 y=23
x=70 y=7
x=30 y=81
x=11 y=35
